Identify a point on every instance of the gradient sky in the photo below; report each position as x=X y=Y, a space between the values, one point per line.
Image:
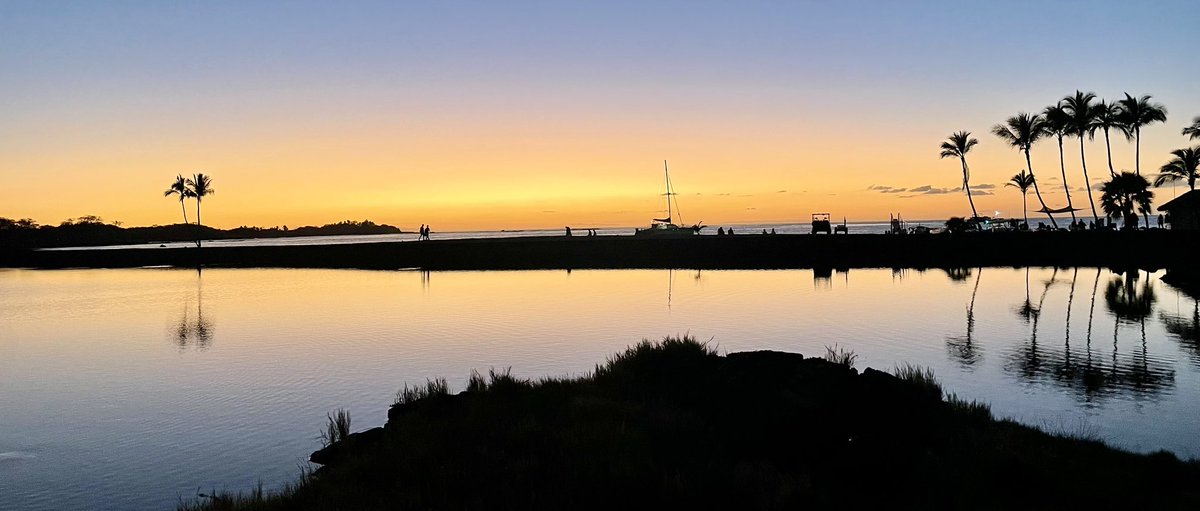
x=482 y=115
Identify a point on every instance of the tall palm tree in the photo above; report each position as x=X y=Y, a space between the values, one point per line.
x=1138 y=112
x=1022 y=181
x=1182 y=167
x=1121 y=194
x=1193 y=131
x=201 y=186
x=957 y=146
x=1022 y=131
x=1058 y=125
x=1108 y=117
x=1081 y=113
x=180 y=188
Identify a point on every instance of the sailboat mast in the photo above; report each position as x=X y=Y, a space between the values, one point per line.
x=667 y=177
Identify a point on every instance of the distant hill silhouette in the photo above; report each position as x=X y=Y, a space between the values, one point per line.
x=90 y=231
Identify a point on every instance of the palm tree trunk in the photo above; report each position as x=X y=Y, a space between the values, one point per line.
x=1063 y=166
x=183 y=206
x=1137 y=150
x=1108 y=148
x=1087 y=181
x=967 y=186
x=198 y=222
x=1038 y=193
x=1025 y=207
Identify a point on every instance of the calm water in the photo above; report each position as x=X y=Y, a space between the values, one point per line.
x=805 y=228
x=126 y=389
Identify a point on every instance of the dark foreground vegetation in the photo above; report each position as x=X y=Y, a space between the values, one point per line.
x=90 y=231
x=674 y=425
x=1153 y=249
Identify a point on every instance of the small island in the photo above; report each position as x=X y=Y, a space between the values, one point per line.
x=676 y=425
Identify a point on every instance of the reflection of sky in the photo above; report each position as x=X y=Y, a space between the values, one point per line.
x=91 y=367
x=475 y=115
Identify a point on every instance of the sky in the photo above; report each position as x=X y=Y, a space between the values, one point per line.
x=489 y=115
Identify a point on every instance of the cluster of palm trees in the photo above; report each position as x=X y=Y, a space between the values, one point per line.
x=198 y=187
x=1081 y=115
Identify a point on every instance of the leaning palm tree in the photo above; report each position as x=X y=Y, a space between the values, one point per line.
x=1138 y=112
x=1081 y=115
x=1022 y=131
x=1108 y=117
x=1022 y=181
x=1058 y=125
x=180 y=188
x=1181 y=168
x=957 y=146
x=1121 y=194
x=1193 y=131
x=201 y=186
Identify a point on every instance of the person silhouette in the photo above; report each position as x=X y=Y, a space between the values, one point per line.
x=568 y=230
x=720 y=231
x=421 y=233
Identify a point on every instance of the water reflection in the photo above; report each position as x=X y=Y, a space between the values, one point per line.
x=963 y=348
x=195 y=333
x=1088 y=374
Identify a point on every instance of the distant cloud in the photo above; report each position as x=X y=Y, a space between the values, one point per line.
x=781 y=191
x=922 y=189
x=724 y=194
x=746 y=195
x=981 y=192
x=749 y=209
x=549 y=211
x=985 y=186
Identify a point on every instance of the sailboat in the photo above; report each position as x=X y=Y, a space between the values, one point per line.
x=665 y=227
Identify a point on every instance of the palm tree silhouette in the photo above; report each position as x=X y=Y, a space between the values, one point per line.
x=957 y=146
x=1121 y=194
x=1193 y=131
x=1022 y=181
x=1058 y=125
x=1081 y=115
x=1138 y=112
x=200 y=186
x=1022 y=131
x=1182 y=167
x=180 y=188
x=1108 y=116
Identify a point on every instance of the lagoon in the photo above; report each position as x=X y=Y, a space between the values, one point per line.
x=132 y=388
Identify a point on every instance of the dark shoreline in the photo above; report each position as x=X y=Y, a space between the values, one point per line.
x=1149 y=250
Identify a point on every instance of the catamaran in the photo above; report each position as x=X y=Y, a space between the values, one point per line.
x=665 y=227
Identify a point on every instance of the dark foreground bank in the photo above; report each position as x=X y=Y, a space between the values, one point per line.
x=1152 y=249
x=676 y=426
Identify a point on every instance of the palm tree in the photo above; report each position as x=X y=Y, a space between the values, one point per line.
x=1022 y=181
x=201 y=186
x=1138 y=112
x=1108 y=116
x=1022 y=131
x=1193 y=131
x=180 y=188
x=1121 y=194
x=1182 y=167
x=957 y=146
x=1058 y=125
x=1082 y=115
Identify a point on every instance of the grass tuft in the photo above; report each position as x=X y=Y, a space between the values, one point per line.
x=434 y=387
x=840 y=356
x=922 y=377
x=973 y=409
x=337 y=428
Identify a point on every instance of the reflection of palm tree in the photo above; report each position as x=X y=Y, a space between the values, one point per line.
x=200 y=331
x=1026 y=310
x=1185 y=330
x=1022 y=181
x=1126 y=301
x=1021 y=132
x=958 y=274
x=963 y=348
x=957 y=146
x=1058 y=124
x=1138 y=112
